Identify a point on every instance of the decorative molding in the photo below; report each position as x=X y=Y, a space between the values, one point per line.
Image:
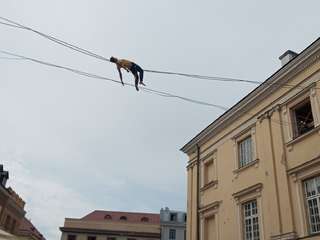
x=302 y=167
x=209 y=155
x=285 y=236
x=257 y=188
x=212 y=206
x=313 y=92
x=191 y=164
x=299 y=96
x=254 y=163
x=209 y=185
x=245 y=132
x=315 y=104
x=109 y=232
x=298 y=139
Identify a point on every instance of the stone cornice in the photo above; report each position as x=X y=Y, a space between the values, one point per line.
x=255 y=188
x=110 y=232
x=309 y=164
x=211 y=206
x=305 y=59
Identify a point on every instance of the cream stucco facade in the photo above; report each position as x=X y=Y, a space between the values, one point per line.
x=253 y=173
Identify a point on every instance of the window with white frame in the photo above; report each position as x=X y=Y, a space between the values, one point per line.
x=245 y=151
x=312 y=194
x=172 y=234
x=250 y=221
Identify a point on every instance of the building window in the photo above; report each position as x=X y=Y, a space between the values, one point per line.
x=107 y=217
x=208 y=172
x=209 y=227
x=185 y=217
x=302 y=118
x=312 y=193
x=250 y=220
x=92 y=238
x=144 y=219
x=172 y=234
x=184 y=235
x=72 y=237
x=173 y=217
x=124 y=218
x=245 y=151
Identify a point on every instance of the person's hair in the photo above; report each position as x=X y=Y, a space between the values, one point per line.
x=113 y=59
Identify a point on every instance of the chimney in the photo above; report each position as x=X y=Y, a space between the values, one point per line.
x=287 y=57
x=4 y=176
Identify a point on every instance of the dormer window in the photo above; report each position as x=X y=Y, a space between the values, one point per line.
x=123 y=218
x=173 y=217
x=107 y=217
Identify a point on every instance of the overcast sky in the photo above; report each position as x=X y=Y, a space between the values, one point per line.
x=73 y=145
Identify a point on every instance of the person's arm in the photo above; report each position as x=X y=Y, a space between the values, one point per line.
x=120 y=74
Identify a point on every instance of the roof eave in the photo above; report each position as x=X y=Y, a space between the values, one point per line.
x=275 y=77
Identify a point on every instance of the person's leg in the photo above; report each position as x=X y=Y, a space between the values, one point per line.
x=141 y=72
x=136 y=82
x=134 y=71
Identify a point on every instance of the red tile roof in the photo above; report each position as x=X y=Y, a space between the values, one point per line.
x=26 y=228
x=131 y=217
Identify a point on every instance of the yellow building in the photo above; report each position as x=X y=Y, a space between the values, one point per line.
x=254 y=173
x=109 y=225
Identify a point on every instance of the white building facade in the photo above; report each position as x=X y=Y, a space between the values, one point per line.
x=173 y=224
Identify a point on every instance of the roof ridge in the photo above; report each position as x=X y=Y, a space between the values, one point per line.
x=125 y=212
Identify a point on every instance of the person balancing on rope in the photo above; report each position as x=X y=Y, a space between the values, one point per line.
x=134 y=68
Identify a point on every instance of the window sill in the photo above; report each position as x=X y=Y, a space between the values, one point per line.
x=303 y=136
x=253 y=163
x=310 y=236
x=209 y=185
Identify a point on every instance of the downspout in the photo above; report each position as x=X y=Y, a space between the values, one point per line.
x=198 y=192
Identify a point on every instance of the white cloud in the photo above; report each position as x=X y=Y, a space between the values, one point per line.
x=47 y=202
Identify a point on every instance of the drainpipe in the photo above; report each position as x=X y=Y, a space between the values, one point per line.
x=198 y=192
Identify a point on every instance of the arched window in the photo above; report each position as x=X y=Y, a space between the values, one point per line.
x=107 y=217
x=124 y=218
x=144 y=219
